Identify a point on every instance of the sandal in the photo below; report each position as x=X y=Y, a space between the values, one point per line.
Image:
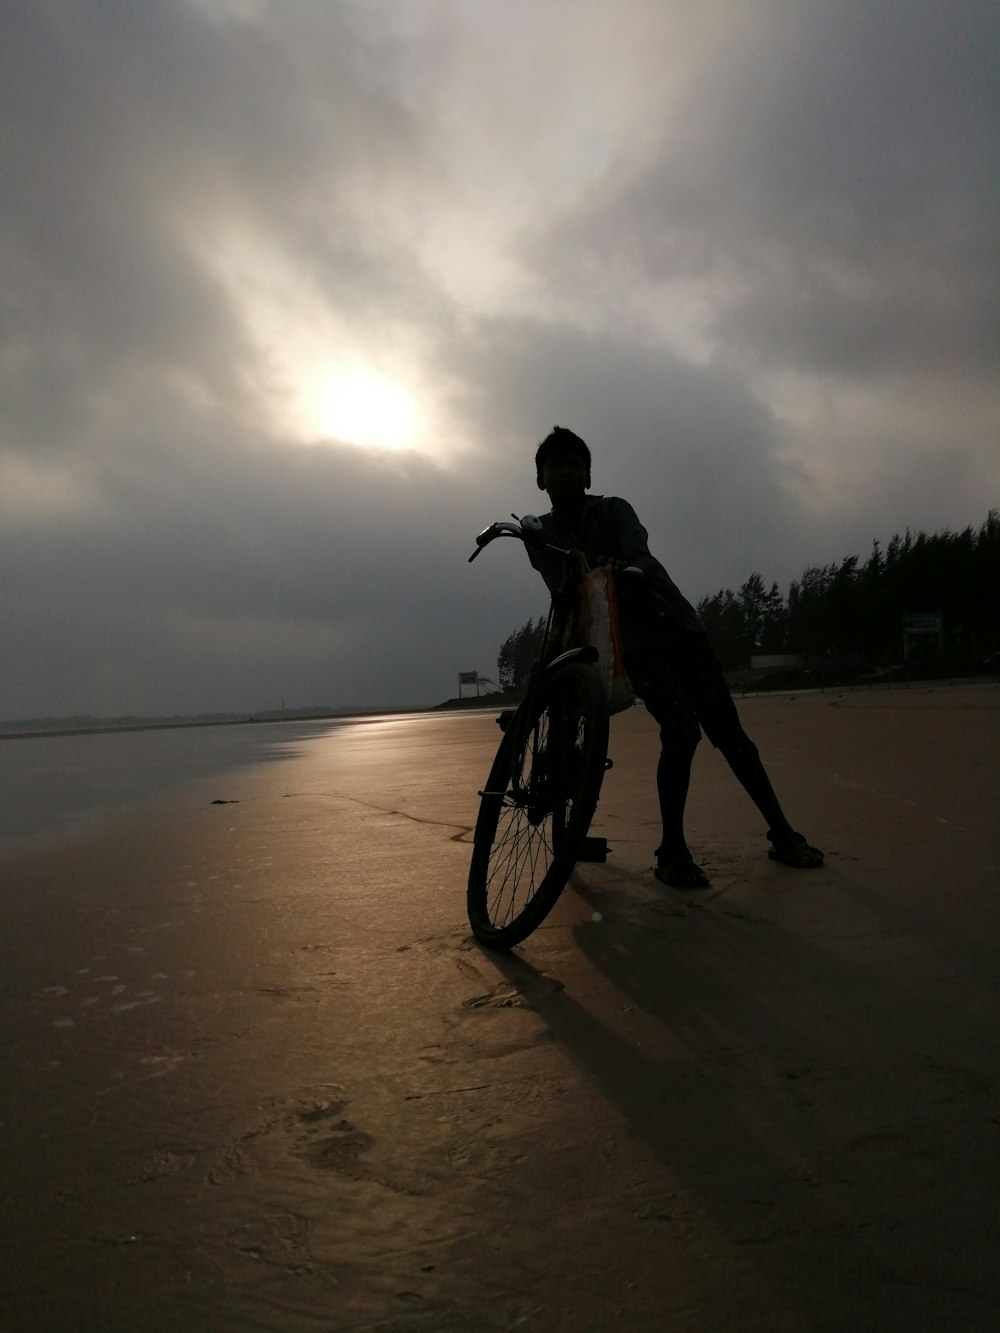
x=681 y=873
x=793 y=850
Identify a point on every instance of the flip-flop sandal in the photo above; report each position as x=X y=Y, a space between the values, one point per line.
x=681 y=874
x=797 y=853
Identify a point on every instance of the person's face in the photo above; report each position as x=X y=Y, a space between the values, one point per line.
x=564 y=476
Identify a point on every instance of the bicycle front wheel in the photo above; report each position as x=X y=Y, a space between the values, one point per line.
x=537 y=806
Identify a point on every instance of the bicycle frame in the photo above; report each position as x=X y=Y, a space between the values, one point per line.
x=529 y=531
x=545 y=781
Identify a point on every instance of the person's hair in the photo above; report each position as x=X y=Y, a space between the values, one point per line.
x=560 y=440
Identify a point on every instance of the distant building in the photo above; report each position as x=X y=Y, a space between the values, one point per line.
x=770 y=661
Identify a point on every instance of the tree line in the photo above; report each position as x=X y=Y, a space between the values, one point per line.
x=517 y=652
x=844 y=612
x=851 y=610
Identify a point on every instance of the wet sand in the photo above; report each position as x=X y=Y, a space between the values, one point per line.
x=257 y=1075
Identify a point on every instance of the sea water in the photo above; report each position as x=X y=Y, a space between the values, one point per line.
x=49 y=784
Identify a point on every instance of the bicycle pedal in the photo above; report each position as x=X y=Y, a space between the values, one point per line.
x=593 y=850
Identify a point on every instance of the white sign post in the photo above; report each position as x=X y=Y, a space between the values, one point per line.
x=468 y=678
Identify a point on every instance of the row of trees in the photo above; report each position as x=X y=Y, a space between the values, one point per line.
x=853 y=610
x=517 y=652
x=844 y=611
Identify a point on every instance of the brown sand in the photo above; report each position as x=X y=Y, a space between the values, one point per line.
x=257 y=1076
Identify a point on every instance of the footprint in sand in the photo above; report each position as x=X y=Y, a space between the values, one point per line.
x=331 y=1142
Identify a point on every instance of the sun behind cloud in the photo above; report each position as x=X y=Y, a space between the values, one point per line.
x=361 y=407
x=321 y=385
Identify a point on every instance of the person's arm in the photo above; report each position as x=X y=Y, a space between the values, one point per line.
x=633 y=539
x=634 y=542
x=549 y=566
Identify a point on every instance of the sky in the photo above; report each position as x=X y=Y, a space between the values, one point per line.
x=291 y=289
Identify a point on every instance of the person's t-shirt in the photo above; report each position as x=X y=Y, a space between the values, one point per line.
x=605 y=528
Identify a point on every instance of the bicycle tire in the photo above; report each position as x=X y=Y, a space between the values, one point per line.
x=537 y=806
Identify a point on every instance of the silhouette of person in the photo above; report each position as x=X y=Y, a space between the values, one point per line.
x=667 y=654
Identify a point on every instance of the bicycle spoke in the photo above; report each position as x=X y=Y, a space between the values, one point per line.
x=504 y=872
x=518 y=854
x=521 y=856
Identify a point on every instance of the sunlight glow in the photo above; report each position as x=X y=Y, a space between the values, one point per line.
x=361 y=407
x=319 y=383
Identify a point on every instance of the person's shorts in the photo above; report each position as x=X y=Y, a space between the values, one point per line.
x=682 y=685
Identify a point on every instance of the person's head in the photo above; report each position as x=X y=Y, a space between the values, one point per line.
x=562 y=464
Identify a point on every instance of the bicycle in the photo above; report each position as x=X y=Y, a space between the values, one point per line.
x=542 y=790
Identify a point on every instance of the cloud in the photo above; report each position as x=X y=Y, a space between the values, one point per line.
x=225 y=572
x=691 y=446
x=746 y=252
x=835 y=192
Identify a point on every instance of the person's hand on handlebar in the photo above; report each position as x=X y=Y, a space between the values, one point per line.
x=532 y=532
x=618 y=565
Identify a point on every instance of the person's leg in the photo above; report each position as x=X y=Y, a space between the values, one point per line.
x=673 y=778
x=743 y=758
x=703 y=680
x=657 y=687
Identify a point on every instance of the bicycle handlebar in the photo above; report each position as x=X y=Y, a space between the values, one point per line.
x=527 y=529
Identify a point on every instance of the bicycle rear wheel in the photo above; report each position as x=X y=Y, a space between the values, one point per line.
x=537 y=806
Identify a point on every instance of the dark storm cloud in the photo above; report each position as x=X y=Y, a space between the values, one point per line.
x=232 y=573
x=835 y=173
x=95 y=280
x=691 y=446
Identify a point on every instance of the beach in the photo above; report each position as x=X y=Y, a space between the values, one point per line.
x=258 y=1075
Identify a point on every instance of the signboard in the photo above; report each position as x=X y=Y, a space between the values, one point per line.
x=469 y=678
x=921 y=623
